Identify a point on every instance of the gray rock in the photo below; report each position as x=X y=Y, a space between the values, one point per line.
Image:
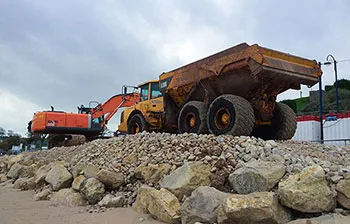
x=68 y=197
x=111 y=180
x=43 y=195
x=77 y=182
x=202 y=205
x=15 y=171
x=90 y=170
x=3 y=178
x=307 y=191
x=161 y=204
x=152 y=173
x=109 y=201
x=92 y=189
x=14 y=159
x=24 y=183
x=325 y=219
x=59 y=177
x=256 y=176
x=41 y=174
x=187 y=178
x=343 y=196
x=78 y=169
x=255 y=208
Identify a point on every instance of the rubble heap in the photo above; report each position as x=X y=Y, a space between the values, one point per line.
x=191 y=178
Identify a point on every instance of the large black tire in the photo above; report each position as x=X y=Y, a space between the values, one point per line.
x=137 y=124
x=230 y=114
x=193 y=118
x=283 y=124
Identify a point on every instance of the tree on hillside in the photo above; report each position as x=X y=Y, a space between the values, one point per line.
x=343 y=84
x=2 y=132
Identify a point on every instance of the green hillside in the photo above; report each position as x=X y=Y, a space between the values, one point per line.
x=310 y=105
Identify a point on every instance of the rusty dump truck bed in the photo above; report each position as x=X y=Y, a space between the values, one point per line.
x=243 y=70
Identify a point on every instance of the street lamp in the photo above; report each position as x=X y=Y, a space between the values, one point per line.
x=329 y=60
x=321 y=104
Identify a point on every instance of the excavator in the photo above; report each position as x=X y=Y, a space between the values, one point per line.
x=61 y=127
x=231 y=92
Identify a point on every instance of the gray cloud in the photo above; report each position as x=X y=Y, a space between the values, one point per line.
x=70 y=52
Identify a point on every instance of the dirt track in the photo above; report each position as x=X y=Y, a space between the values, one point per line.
x=20 y=208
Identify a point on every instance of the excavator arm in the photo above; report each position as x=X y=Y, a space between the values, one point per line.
x=111 y=106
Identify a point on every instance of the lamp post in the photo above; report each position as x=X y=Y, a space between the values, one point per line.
x=330 y=59
x=321 y=105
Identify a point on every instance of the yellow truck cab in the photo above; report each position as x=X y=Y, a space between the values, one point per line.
x=145 y=114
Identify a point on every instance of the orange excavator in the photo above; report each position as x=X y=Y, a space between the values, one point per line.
x=90 y=122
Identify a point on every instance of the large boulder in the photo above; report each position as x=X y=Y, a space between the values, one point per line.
x=255 y=208
x=161 y=204
x=110 y=201
x=68 y=197
x=307 y=191
x=256 y=176
x=59 y=177
x=152 y=173
x=77 y=182
x=41 y=174
x=187 y=178
x=15 y=171
x=324 y=219
x=164 y=206
x=202 y=205
x=111 y=180
x=343 y=196
x=142 y=199
x=92 y=189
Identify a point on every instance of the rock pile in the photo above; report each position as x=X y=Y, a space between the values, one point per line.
x=191 y=178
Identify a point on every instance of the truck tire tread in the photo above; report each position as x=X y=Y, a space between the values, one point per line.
x=244 y=115
x=287 y=122
x=142 y=122
x=202 y=113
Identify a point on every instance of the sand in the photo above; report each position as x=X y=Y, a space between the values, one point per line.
x=18 y=207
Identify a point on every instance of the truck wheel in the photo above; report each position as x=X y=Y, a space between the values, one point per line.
x=230 y=114
x=137 y=124
x=193 y=118
x=283 y=124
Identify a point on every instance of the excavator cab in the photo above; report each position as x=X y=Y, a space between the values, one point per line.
x=84 y=110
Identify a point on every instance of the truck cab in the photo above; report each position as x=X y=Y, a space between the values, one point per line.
x=145 y=115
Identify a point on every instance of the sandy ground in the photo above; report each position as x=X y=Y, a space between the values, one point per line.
x=18 y=207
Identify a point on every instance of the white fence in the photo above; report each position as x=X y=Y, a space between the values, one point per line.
x=336 y=129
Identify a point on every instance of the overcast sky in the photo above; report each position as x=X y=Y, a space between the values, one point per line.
x=66 y=53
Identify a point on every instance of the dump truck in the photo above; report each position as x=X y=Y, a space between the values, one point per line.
x=231 y=92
